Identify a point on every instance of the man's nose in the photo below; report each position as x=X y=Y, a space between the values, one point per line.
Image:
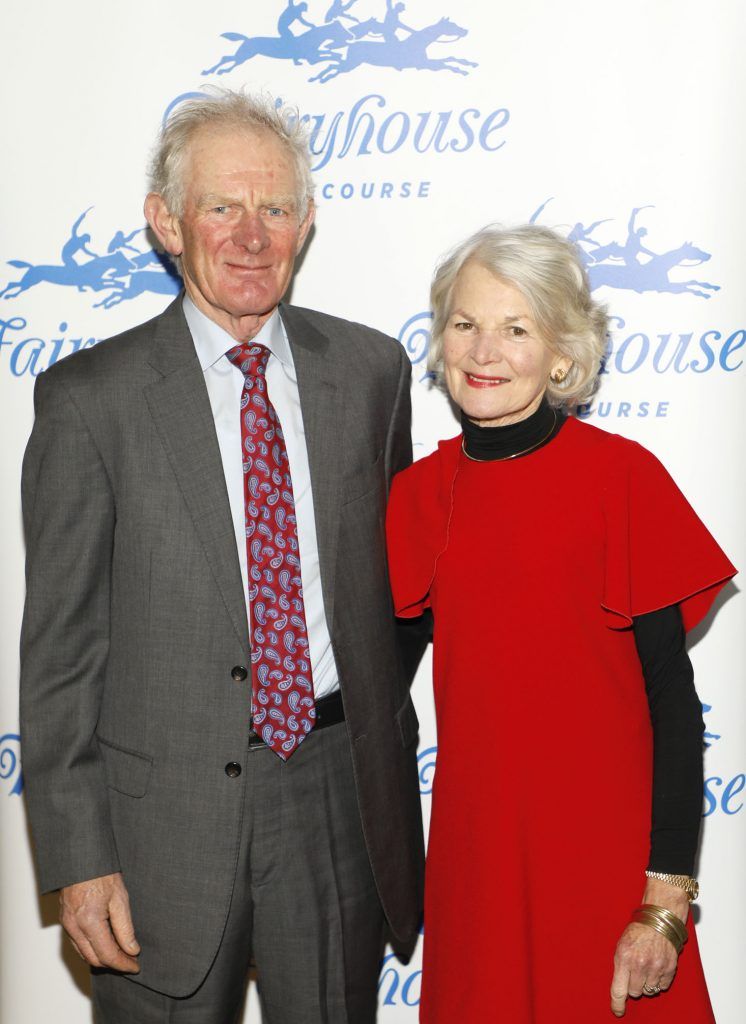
x=251 y=232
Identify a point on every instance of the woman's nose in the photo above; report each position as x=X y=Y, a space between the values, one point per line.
x=487 y=348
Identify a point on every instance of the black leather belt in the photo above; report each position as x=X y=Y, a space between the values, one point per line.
x=329 y=711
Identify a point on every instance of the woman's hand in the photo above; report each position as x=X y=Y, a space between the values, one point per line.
x=645 y=960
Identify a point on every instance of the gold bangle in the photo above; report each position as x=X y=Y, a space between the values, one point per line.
x=659 y=926
x=664 y=922
x=651 y=916
x=662 y=913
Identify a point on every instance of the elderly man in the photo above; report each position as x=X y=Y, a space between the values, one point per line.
x=219 y=743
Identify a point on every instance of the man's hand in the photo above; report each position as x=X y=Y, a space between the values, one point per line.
x=644 y=957
x=96 y=916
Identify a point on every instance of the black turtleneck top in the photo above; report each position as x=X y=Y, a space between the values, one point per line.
x=515 y=440
x=675 y=710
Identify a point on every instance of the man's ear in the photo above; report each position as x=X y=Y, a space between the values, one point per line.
x=163 y=223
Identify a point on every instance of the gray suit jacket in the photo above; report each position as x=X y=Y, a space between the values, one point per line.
x=135 y=616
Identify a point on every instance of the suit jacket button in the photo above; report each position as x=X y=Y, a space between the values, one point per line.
x=239 y=673
x=233 y=769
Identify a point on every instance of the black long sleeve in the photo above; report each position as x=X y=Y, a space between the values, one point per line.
x=413 y=636
x=676 y=716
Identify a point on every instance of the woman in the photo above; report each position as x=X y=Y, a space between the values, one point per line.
x=562 y=566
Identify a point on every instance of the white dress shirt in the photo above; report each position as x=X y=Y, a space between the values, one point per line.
x=224 y=386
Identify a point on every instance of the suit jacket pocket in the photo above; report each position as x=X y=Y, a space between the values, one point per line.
x=358 y=484
x=126 y=771
x=409 y=725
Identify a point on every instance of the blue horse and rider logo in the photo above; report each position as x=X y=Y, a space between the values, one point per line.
x=630 y=263
x=123 y=272
x=344 y=41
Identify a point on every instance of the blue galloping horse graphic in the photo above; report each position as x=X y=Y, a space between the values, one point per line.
x=308 y=47
x=124 y=270
x=401 y=53
x=345 y=42
x=631 y=265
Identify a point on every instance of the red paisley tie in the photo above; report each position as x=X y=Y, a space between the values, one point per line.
x=282 y=706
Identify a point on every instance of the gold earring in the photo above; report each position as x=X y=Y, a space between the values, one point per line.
x=558 y=376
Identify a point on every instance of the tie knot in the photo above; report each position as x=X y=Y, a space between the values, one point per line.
x=250 y=357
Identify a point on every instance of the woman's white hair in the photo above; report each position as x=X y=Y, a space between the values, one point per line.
x=547 y=270
x=226 y=110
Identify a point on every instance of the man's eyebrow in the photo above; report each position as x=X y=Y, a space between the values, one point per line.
x=214 y=199
x=284 y=199
x=270 y=199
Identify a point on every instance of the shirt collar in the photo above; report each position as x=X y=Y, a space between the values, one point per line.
x=212 y=341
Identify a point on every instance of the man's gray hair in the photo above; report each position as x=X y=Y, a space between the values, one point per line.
x=226 y=110
x=547 y=270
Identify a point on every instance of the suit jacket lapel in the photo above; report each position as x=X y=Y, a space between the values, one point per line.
x=180 y=407
x=322 y=406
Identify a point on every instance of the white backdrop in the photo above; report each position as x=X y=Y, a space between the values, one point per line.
x=574 y=113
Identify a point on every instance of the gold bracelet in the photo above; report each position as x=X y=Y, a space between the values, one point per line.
x=664 y=922
x=669 y=917
x=658 y=925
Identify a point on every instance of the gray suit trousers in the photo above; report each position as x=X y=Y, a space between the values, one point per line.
x=305 y=904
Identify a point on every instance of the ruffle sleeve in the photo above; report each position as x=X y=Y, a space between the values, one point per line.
x=658 y=551
x=417 y=518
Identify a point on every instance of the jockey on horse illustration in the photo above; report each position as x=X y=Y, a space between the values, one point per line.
x=618 y=265
x=312 y=47
x=125 y=276
x=401 y=54
x=385 y=43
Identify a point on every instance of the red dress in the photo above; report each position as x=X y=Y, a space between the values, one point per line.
x=540 y=826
